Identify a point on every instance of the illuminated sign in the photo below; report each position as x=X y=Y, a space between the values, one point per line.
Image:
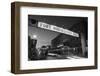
x=57 y=29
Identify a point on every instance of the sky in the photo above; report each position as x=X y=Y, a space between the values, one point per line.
x=44 y=37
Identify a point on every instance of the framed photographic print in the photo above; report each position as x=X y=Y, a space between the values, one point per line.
x=52 y=37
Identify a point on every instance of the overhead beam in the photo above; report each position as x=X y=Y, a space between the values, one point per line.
x=57 y=29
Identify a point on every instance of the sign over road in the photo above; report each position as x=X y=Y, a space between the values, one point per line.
x=57 y=29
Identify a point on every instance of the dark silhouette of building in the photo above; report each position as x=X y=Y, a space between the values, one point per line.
x=32 y=52
x=78 y=43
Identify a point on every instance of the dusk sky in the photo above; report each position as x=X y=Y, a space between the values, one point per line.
x=44 y=37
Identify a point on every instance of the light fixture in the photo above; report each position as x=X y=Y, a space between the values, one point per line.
x=34 y=37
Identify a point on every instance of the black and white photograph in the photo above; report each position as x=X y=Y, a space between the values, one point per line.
x=52 y=37
x=57 y=37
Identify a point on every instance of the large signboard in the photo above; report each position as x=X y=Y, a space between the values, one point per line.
x=57 y=29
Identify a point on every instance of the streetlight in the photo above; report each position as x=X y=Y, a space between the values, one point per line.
x=34 y=37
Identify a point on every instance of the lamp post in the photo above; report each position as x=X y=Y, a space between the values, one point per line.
x=34 y=41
